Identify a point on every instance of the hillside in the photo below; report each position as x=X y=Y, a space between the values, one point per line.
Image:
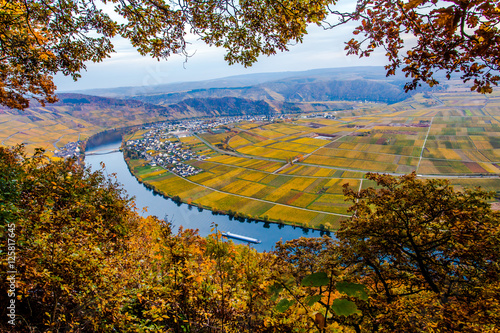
x=78 y=116
x=246 y=80
x=224 y=106
x=75 y=117
x=296 y=90
x=329 y=84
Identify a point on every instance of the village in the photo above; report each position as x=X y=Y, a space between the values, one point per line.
x=174 y=154
x=69 y=150
x=156 y=145
x=167 y=154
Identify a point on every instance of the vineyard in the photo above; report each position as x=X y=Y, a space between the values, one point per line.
x=294 y=170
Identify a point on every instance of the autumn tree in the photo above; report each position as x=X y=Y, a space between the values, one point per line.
x=75 y=241
x=451 y=36
x=85 y=261
x=40 y=39
x=429 y=254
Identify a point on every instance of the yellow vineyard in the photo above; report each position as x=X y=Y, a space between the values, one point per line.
x=293 y=170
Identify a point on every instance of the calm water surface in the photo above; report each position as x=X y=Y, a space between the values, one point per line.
x=184 y=215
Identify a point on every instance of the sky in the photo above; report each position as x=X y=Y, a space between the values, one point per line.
x=320 y=49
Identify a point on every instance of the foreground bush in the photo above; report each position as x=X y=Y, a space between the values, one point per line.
x=415 y=257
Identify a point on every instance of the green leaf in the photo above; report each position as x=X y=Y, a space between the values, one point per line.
x=352 y=289
x=316 y=280
x=312 y=299
x=344 y=307
x=283 y=305
x=275 y=291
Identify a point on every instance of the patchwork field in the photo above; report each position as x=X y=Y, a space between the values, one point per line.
x=293 y=170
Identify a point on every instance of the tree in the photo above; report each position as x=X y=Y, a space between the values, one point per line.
x=425 y=250
x=40 y=39
x=454 y=36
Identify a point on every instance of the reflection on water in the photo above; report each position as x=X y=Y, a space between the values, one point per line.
x=151 y=203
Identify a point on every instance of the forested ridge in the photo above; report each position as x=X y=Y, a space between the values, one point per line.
x=295 y=90
x=415 y=257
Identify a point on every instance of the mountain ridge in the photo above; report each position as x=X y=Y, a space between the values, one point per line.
x=368 y=72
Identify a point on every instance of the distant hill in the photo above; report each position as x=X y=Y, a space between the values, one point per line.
x=328 y=84
x=113 y=112
x=296 y=90
x=323 y=85
x=107 y=112
x=246 y=80
x=224 y=106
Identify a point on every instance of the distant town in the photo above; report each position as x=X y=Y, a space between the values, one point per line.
x=157 y=147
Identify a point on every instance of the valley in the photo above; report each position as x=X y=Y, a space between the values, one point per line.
x=292 y=169
x=276 y=147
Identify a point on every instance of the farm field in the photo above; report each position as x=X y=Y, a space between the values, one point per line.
x=293 y=170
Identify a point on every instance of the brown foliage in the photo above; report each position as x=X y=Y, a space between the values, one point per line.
x=453 y=36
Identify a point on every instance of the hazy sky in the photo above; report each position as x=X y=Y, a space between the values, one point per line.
x=320 y=49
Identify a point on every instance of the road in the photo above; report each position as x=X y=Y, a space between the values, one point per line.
x=423 y=146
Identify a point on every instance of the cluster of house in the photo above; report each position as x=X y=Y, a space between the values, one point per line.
x=71 y=149
x=167 y=154
x=421 y=123
x=186 y=127
x=327 y=115
x=157 y=147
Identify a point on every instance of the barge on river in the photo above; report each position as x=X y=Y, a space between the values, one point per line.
x=241 y=238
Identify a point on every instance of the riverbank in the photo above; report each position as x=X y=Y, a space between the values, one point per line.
x=182 y=190
x=149 y=202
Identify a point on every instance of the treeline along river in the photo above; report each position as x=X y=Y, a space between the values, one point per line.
x=183 y=214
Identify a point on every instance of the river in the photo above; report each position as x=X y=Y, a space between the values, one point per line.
x=185 y=215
